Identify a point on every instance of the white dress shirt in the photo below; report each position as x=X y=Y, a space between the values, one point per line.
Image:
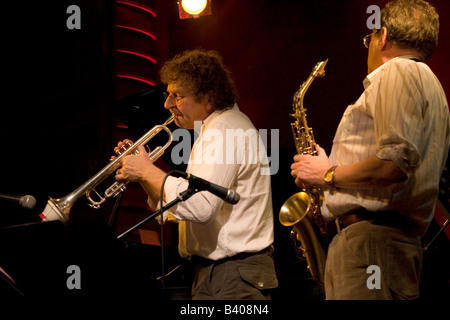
x=401 y=116
x=229 y=153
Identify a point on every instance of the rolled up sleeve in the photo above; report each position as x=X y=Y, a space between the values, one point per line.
x=398 y=116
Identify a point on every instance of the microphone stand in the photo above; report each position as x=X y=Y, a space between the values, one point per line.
x=183 y=196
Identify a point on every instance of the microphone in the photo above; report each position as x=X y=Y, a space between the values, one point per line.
x=225 y=194
x=27 y=202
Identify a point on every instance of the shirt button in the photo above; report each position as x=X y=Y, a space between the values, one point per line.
x=260 y=284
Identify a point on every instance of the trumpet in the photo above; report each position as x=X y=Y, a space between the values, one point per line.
x=59 y=209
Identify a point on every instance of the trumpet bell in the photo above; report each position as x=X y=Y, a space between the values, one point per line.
x=295 y=209
x=52 y=212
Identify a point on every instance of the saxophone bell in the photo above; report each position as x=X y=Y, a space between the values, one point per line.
x=298 y=211
x=295 y=209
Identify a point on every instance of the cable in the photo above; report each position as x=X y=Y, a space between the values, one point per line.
x=161 y=203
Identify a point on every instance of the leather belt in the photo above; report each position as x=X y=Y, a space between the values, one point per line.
x=390 y=218
x=240 y=256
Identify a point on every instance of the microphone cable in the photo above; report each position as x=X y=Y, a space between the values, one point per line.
x=161 y=204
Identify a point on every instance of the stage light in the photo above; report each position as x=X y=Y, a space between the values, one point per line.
x=194 y=8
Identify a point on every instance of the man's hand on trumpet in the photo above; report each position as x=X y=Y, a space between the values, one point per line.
x=134 y=166
x=140 y=168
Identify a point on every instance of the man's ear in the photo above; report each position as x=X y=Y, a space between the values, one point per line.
x=384 y=42
x=208 y=103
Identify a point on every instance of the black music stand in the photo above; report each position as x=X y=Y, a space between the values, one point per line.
x=24 y=251
x=36 y=258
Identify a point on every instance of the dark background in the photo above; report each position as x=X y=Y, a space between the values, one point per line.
x=68 y=96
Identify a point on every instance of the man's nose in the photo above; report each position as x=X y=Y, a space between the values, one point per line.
x=168 y=104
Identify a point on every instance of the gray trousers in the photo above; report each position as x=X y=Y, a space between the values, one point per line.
x=246 y=276
x=367 y=261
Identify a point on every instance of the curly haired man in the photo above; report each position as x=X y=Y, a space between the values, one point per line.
x=229 y=245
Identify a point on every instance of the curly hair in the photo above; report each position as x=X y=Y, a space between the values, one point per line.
x=411 y=24
x=202 y=73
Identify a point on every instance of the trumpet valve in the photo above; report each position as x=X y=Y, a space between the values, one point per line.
x=125 y=147
x=115 y=189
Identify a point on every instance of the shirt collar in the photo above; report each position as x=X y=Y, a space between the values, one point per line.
x=212 y=116
x=369 y=78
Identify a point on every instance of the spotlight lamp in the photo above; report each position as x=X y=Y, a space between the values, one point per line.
x=194 y=8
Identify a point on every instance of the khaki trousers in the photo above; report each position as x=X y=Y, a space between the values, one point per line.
x=367 y=261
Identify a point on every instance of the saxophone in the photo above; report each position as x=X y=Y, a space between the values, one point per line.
x=302 y=210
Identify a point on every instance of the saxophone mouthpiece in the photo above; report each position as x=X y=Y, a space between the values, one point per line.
x=323 y=63
x=319 y=69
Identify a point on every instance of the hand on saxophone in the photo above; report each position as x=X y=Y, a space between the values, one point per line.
x=309 y=170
